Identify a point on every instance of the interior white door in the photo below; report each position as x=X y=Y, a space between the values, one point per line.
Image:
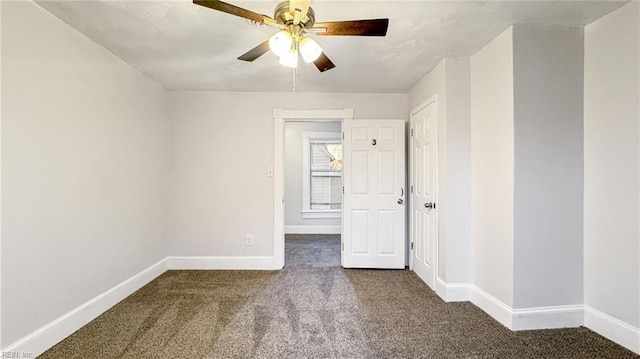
x=374 y=210
x=423 y=187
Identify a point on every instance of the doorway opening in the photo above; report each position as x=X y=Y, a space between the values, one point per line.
x=312 y=250
x=307 y=176
x=312 y=192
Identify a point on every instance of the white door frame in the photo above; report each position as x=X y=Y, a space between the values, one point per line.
x=436 y=249
x=279 y=118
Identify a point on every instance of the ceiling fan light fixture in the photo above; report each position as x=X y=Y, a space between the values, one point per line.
x=280 y=43
x=289 y=59
x=295 y=18
x=310 y=50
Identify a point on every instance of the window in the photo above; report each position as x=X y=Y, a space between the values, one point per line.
x=322 y=175
x=326 y=174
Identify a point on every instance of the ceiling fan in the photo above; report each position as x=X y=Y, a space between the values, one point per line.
x=296 y=19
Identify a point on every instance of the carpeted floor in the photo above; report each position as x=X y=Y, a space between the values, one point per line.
x=311 y=309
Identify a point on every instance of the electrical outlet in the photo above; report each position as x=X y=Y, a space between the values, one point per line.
x=248 y=239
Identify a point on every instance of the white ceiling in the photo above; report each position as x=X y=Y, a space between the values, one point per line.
x=183 y=46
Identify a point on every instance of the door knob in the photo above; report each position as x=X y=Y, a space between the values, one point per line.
x=430 y=205
x=400 y=201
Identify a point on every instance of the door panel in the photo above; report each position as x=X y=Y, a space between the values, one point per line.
x=387 y=134
x=359 y=135
x=386 y=229
x=387 y=179
x=360 y=230
x=423 y=181
x=360 y=172
x=374 y=218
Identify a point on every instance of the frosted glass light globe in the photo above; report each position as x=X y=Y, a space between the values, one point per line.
x=289 y=59
x=310 y=50
x=280 y=43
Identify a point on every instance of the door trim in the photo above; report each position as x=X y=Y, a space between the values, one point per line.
x=436 y=249
x=280 y=116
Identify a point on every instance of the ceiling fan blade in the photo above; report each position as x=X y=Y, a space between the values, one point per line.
x=234 y=10
x=323 y=63
x=256 y=52
x=375 y=27
x=302 y=5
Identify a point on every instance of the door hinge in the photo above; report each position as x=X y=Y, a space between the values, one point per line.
x=411 y=188
x=412 y=132
x=343 y=246
x=343 y=136
x=342 y=189
x=411 y=245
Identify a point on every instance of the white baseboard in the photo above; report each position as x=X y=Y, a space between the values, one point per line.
x=561 y=316
x=303 y=229
x=612 y=328
x=492 y=306
x=221 y=263
x=453 y=292
x=49 y=335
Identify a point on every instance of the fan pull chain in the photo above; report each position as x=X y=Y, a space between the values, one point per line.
x=294 y=72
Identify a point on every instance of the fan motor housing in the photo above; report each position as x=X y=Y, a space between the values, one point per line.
x=284 y=17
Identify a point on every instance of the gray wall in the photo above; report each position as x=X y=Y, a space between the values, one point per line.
x=458 y=129
x=548 y=91
x=84 y=168
x=222 y=147
x=492 y=158
x=449 y=81
x=526 y=148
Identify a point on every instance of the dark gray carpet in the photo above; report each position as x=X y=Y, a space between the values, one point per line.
x=311 y=309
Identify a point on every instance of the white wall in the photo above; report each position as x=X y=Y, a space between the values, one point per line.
x=84 y=158
x=222 y=147
x=548 y=91
x=492 y=165
x=449 y=81
x=612 y=165
x=293 y=172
